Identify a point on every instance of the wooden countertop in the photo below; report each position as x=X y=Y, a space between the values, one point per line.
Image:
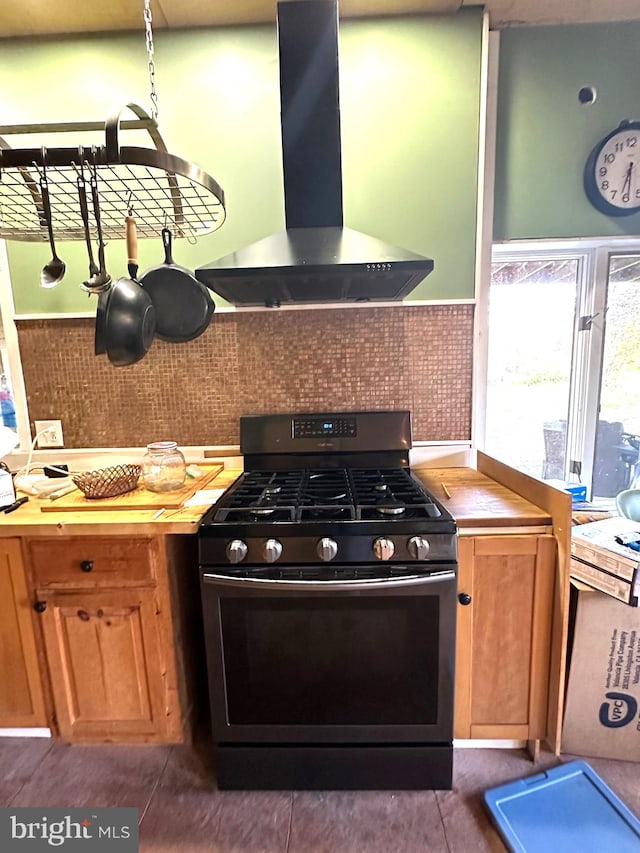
x=478 y=501
x=29 y=520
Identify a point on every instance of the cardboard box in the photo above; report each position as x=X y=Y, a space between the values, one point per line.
x=602 y=580
x=601 y=559
x=602 y=709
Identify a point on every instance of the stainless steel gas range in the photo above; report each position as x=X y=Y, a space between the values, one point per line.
x=328 y=579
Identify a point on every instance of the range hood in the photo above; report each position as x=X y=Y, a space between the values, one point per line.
x=316 y=259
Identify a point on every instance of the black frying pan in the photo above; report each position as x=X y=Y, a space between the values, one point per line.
x=126 y=317
x=183 y=305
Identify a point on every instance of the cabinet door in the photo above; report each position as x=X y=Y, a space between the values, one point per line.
x=21 y=702
x=106 y=676
x=504 y=636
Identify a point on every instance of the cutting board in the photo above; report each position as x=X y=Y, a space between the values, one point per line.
x=139 y=498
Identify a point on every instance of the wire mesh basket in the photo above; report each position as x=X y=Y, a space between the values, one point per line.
x=108 y=482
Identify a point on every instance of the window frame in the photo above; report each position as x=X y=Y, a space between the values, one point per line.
x=587 y=351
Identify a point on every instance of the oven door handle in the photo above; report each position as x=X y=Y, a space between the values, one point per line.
x=329 y=586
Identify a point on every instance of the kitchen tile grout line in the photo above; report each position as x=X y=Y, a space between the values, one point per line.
x=289 y=827
x=442 y=823
x=154 y=789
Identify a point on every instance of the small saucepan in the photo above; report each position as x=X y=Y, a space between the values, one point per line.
x=126 y=317
x=183 y=304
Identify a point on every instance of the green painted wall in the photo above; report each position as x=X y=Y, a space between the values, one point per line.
x=410 y=113
x=545 y=134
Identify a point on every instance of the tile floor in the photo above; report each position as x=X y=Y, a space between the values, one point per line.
x=181 y=809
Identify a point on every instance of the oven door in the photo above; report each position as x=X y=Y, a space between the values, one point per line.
x=364 y=661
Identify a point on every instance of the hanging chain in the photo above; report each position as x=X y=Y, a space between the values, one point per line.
x=152 y=67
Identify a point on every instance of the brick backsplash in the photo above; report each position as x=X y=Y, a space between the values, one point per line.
x=416 y=358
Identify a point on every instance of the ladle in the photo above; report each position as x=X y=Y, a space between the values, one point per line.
x=101 y=280
x=94 y=272
x=52 y=272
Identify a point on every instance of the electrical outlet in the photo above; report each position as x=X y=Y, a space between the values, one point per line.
x=53 y=435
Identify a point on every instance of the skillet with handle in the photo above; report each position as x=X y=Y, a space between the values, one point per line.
x=183 y=304
x=126 y=318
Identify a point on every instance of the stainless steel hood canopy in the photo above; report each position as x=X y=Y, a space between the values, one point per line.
x=316 y=259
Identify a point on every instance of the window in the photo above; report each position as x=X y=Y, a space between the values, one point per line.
x=563 y=362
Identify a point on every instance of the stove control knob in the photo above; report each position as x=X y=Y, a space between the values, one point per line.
x=418 y=547
x=383 y=548
x=326 y=549
x=236 y=551
x=272 y=550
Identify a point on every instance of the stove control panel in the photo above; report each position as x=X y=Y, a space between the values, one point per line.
x=339 y=427
x=334 y=549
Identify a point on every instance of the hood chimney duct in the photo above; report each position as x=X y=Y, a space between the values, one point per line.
x=310 y=113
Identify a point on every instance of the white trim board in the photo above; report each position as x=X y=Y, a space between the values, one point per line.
x=32 y=732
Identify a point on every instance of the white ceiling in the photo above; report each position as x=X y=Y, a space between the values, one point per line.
x=39 y=17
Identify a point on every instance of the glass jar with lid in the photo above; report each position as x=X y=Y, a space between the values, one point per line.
x=163 y=467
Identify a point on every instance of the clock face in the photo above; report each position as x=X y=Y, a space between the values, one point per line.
x=612 y=172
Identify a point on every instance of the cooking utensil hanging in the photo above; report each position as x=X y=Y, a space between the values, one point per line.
x=100 y=342
x=184 y=306
x=94 y=272
x=127 y=322
x=167 y=188
x=53 y=271
x=99 y=277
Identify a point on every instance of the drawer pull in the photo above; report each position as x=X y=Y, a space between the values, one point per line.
x=82 y=614
x=86 y=565
x=40 y=606
x=464 y=598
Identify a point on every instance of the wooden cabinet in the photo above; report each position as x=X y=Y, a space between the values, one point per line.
x=115 y=631
x=21 y=699
x=504 y=636
x=103 y=655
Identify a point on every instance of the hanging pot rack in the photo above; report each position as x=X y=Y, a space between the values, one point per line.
x=159 y=188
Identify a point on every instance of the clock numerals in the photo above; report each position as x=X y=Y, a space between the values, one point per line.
x=612 y=172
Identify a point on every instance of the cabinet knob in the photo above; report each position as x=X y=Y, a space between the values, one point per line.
x=40 y=606
x=86 y=565
x=464 y=598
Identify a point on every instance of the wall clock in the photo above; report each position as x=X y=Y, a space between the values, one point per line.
x=612 y=171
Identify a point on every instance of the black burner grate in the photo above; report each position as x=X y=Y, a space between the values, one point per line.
x=334 y=494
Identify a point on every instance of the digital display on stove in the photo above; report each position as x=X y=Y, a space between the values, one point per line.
x=324 y=428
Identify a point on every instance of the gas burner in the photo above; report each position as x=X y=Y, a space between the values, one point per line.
x=392 y=509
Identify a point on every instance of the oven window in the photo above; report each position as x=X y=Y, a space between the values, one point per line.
x=331 y=661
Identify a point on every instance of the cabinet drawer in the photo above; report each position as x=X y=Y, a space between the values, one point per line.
x=92 y=562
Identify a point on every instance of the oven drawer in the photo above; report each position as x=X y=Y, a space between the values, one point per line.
x=91 y=561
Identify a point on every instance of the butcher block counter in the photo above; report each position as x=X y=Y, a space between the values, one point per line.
x=117 y=516
x=477 y=501
x=100 y=612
